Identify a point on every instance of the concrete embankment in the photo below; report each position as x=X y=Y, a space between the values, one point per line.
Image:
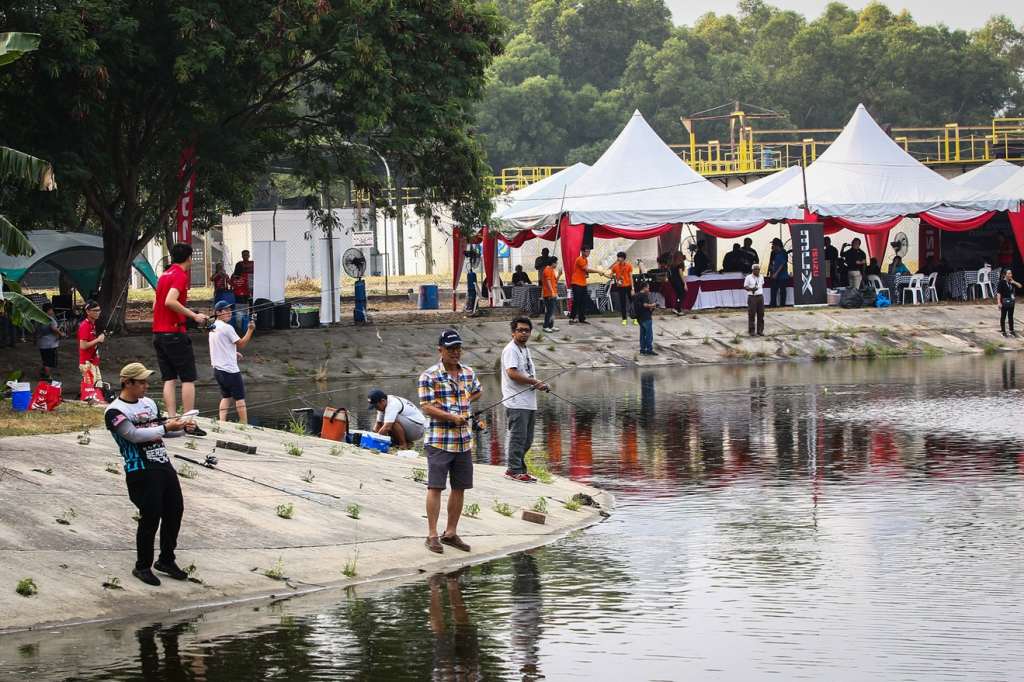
x=66 y=523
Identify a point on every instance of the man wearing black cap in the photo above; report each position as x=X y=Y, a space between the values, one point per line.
x=397 y=418
x=224 y=356
x=446 y=392
x=153 y=487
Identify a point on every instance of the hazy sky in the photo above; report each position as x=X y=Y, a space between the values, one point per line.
x=954 y=13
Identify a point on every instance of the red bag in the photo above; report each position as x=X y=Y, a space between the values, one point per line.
x=46 y=397
x=91 y=394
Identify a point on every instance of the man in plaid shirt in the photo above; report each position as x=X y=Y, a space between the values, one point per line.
x=447 y=391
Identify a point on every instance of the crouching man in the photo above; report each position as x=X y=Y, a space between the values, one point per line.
x=397 y=418
x=153 y=486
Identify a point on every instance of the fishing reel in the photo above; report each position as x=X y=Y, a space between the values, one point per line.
x=478 y=423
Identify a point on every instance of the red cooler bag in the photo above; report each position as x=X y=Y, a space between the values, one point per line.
x=46 y=397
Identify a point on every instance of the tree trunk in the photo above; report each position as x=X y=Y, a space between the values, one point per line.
x=119 y=250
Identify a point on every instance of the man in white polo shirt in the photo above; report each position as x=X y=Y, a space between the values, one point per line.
x=397 y=417
x=754 y=284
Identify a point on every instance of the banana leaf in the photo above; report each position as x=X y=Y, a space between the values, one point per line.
x=26 y=168
x=24 y=313
x=13 y=241
x=15 y=45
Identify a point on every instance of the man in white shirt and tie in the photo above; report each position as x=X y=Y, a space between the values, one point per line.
x=754 y=284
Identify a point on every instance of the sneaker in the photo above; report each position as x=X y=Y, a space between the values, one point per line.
x=522 y=478
x=146 y=576
x=171 y=569
x=1004 y=333
x=625 y=322
x=635 y=323
x=454 y=541
x=548 y=330
x=554 y=329
x=651 y=352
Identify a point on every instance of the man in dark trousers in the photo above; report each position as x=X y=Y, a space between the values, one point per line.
x=642 y=307
x=541 y=262
x=153 y=487
x=855 y=262
x=754 y=284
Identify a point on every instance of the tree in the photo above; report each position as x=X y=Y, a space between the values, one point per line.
x=118 y=90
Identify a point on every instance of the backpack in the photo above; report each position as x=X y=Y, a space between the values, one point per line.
x=851 y=298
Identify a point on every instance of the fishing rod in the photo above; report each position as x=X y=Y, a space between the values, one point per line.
x=123 y=298
x=528 y=388
x=560 y=397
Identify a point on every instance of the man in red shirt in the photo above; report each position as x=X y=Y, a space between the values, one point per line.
x=88 y=345
x=173 y=346
x=243 y=279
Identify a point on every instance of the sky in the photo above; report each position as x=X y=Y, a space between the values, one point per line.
x=954 y=13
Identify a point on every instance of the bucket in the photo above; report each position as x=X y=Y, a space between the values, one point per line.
x=264 y=308
x=428 y=297
x=282 y=315
x=308 y=316
x=21 y=395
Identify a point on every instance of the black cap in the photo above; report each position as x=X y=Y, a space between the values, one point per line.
x=375 y=396
x=221 y=305
x=449 y=338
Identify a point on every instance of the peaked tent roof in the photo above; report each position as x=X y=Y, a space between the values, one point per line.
x=1013 y=186
x=548 y=189
x=865 y=176
x=988 y=177
x=639 y=182
x=78 y=255
x=761 y=187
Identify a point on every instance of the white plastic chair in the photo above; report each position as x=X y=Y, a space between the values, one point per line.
x=984 y=284
x=876 y=283
x=498 y=299
x=930 y=292
x=915 y=290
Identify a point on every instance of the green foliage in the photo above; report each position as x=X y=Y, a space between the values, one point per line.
x=472 y=510
x=294 y=426
x=572 y=505
x=990 y=348
x=188 y=472
x=503 y=508
x=540 y=506
x=285 y=511
x=538 y=468
x=335 y=451
x=276 y=572
x=419 y=475
x=349 y=570
x=27 y=587
x=293 y=449
x=353 y=510
x=309 y=476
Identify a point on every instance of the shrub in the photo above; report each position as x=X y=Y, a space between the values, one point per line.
x=353 y=510
x=471 y=510
x=27 y=587
x=503 y=508
x=285 y=511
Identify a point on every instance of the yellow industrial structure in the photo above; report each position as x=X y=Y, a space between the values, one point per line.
x=758 y=152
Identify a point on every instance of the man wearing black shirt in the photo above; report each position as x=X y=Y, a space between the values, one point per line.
x=735 y=260
x=750 y=255
x=541 y=262
x=701 y=262
x=855 y=261
x=520 y=277
x=1005 y=293
x=831 y=262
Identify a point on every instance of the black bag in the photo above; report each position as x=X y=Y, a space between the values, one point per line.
x=851 y=298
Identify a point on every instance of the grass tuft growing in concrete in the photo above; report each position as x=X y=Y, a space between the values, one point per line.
x=285 y=511
x=472 y=510
x=188 y=472
x=503 y=508
x=538 y=468
x=353 y=510
x=27 y=587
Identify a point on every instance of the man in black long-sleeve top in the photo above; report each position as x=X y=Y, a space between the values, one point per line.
x=153 y=487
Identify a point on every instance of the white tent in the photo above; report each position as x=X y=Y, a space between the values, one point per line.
x=1012 y=186
x=988 y=177
x=640 y=183
x=549 y=189
x=865 y=177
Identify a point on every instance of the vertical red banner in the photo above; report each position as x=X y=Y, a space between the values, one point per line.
x=187 y=174
x=929 y=244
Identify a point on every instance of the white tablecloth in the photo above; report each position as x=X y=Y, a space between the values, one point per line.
x=728 y=291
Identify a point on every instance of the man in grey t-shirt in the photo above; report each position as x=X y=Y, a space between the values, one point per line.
x=519 y=386
x=48 y=338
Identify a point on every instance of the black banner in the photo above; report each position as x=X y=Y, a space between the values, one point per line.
x=808 y=263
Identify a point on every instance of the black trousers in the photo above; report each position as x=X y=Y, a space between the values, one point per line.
x=1005 y=313
x=580 y=301
x=157 y=494
x=624 y=299
x=550 y=306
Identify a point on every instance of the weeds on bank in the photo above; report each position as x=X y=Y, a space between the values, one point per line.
x=503 y=508
x=291 y=370
x=27 y=587
x=419 y=475
x=285 y=511
x=706 y=341
x=335 y=451
x=293 y=449
x=276 y=572
x=572 y=505
x=349 y=570
x=353 y=510
x=820 y=354
x=191 y=444
x=538 y=468
x=540 y=506
x=990 y=348
x=67 y=516
x=112 y=468
x=309 y=476
x=295 y=427
x=112 y=583
x=471 y=510
x=320 y=374
x=188 y=472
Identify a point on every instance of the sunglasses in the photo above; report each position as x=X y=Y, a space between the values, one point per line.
x=522 y=330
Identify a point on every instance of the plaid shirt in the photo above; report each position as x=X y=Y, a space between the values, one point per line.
x=451 y=393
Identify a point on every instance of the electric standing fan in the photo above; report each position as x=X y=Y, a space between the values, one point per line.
x=354 y=265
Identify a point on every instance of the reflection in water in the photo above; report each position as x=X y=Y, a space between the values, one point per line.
x=842 y=522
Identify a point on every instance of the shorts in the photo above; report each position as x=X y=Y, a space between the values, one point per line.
x=91 y=372
x=231 y=384
x=49 y=357
x=175 y=357
x=441 y=464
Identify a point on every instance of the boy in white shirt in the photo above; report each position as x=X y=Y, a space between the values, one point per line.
x=224 y=356
x=397 y=417
x=754 y=284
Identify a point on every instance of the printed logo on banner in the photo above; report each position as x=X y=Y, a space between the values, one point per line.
x=362 y=240
x=808 y=258
x=186 y=173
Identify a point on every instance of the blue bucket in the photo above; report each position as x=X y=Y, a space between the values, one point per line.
x=428 y=297
x=21 y=395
